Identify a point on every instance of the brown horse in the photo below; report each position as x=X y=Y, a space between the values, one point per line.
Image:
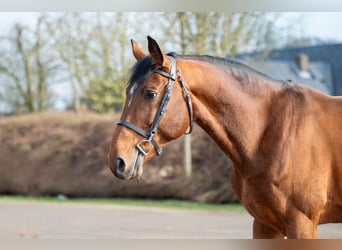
x=284 y=139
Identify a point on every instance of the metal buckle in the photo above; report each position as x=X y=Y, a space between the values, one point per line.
x=141 y=149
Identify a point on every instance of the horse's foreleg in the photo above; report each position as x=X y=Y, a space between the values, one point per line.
x=261 y=231
x=299 y=226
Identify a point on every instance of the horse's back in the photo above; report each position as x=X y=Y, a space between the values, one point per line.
x=329 y=118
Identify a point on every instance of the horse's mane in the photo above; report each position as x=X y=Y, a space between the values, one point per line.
x=145 y=66
x=225 y=62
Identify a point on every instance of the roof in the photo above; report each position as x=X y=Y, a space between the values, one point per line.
x=323 y=58
x=319 y=73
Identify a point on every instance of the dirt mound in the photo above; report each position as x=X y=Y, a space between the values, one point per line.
x=65 y=153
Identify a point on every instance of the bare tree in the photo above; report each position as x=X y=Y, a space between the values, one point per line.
x=70 y=40
x=26 y=68
x=93 y=48
x=220 y=34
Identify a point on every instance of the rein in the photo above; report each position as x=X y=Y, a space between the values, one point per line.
x=148 y=135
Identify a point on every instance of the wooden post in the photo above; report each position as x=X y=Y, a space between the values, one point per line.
x=187 y=159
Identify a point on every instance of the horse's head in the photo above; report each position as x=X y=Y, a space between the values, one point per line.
x=151 y=116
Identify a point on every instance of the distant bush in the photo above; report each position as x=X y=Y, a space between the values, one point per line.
x=65 y=153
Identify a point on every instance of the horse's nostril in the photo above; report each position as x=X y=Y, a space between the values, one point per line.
x=120 y=165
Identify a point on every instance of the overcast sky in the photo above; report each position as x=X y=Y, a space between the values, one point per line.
x=326 y=25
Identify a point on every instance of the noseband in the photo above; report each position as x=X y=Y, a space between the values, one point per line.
x=148 y=135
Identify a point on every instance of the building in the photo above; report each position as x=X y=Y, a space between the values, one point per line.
x=317 y=66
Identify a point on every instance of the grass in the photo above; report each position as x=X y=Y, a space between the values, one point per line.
x=175 y=204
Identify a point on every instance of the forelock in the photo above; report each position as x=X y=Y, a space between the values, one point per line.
x=140 y=70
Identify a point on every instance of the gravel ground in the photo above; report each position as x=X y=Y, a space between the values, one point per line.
x=39 y=220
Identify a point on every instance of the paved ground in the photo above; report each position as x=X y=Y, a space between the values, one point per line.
x=83 y=221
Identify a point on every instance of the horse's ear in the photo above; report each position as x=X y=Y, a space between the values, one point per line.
x=137 y=51
x=159 y=59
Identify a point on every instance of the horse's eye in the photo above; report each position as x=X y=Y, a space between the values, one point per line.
x=149 y=94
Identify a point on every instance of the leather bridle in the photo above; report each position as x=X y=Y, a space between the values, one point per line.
x=148 y=135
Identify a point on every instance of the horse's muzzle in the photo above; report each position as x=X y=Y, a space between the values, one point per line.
x=126 y=170
x=120 y=168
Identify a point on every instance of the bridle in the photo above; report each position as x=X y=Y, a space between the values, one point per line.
x=148 y=135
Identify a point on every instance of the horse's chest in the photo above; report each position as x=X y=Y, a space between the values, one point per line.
x=259 y=198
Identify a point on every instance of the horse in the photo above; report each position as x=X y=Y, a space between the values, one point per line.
x=284 y=139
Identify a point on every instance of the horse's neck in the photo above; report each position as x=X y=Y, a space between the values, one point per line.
x=234 y=115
